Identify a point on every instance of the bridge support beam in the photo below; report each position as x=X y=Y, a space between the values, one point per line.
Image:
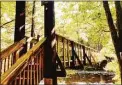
x=50 y=77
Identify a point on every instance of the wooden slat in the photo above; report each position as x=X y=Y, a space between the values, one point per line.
x=20 y=79
x=28 y=76
x=30 y=70
x=34 y=75
x=37 y=66
x=4 y=65
x=23 y=82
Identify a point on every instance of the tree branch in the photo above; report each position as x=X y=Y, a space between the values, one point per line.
x=7 y=23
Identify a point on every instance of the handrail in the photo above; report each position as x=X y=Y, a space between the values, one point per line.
x=14 y=47
x=65 y=47
x=75 y=42
x=10 y=73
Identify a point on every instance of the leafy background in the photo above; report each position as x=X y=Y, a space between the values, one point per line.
x=84 y=22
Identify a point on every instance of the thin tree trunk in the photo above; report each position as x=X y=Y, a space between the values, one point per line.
x=113 y=31
x=33 y=12
x=119 y=27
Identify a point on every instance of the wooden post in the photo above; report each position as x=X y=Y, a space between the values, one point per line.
x=19 y=21
x=57 y=43
x=72 y=57
x=63 y=41
x=19 y=32
x=84 y=54
x=80 y=53
x=121 y=66
x=68 y=56
x=49 y=47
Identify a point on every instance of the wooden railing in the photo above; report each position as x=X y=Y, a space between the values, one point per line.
x=73 y=53
x=28 y=69
x=11 y=54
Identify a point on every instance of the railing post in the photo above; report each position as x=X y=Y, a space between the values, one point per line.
x=84 y=54
x=81 y=53
x=121 y=66
x=68 y=53
x=57 y=43
x=63 y=41
x=72 y=57
x=49 y=47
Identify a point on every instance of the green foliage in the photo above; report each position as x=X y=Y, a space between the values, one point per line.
x=7 y=31
x=84 y=22
x=83 y=19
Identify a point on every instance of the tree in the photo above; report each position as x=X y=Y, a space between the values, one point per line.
x=19 y=21
x=116 y=30
x=85 y=21
x=33 y=12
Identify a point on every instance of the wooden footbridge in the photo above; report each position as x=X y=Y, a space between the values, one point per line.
x=32 y=59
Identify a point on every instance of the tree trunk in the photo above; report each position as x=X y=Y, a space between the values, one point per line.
x=20 y=24
x=33 y=12
x=19 y=21
x=119 y=27
x=114 y=35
